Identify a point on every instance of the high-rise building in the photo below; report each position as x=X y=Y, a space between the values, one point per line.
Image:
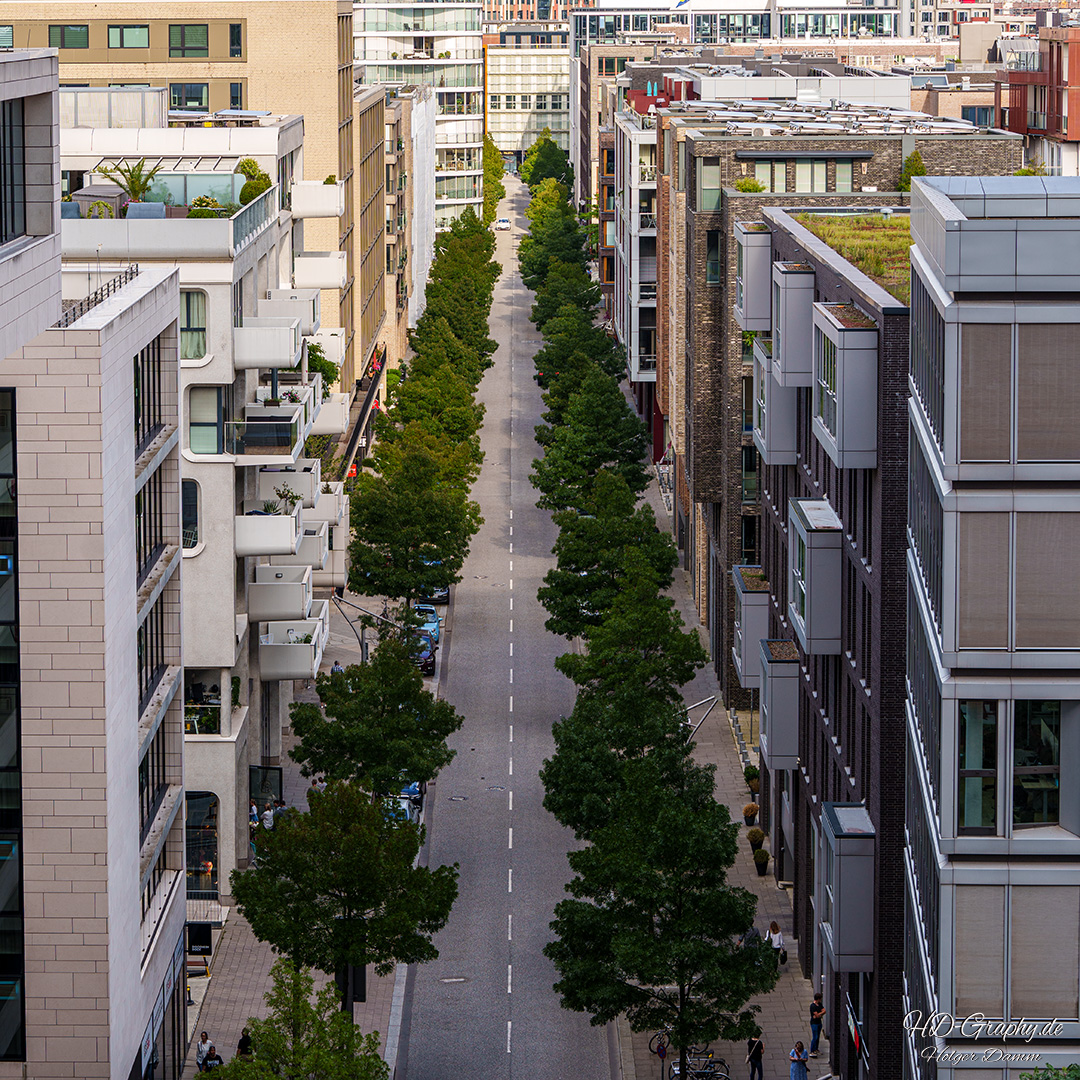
x=438 y=45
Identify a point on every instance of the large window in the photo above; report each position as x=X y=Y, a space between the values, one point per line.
x=772 y=175
x=189 y=512
x=810 y=176
x=149 y=525
x=977 y=761
x=825 y=399
x=844 y=176
x=206 y=429
x=1036 y=763
x=708 y=185
x=150 y=649
x=202 y=845
x=152 y=782
x=236 y=40
x=192 y=324
x=69 y=37
x=712 y=258
x=149 y=411
x=7 y=36
x=12 y=171
x=189 y=39
x=192 y=96
x=129 y=37
x=236 y=95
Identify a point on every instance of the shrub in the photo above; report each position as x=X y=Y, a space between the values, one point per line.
x=203 y=212
x=751 y=772
x=249 y=167
x=205 y=202
x=755 y=835
x=254 y=188
x=761 y=857
x=331 y=179
x=754 y=785
x=749 y=184
x=100 y=209
x=317 y=361
x=750 y=809
x=913 y=166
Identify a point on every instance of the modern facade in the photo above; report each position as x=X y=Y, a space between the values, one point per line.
x=438 y=45
x=528 y=90
x=992 y=852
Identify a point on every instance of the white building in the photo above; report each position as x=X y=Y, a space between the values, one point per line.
x=993 y=703
x=438 y=45
x=261 y=530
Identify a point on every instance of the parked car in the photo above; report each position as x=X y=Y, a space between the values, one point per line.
x=502 y=224
x=431 y=621
x=438 y=595
x=423 y=651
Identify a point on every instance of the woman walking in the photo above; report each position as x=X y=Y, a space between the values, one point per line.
x=798 y=1062
x=776 y=938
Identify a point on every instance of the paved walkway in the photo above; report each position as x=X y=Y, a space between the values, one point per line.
x=784 y=1013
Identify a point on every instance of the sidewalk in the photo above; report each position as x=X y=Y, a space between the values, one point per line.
x=784 y=1015
x=240 y=969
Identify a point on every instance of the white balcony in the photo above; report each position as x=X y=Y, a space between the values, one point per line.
x=312 y=550
x=293 y=648
x=315 y=199
x=264 y=530
x=332 y=506
x=792 y=323
x=815 y=568
x=333 y=417
x=779 y=733
x=751 y=622
x=775 y=409
x=319 y=270
x=271 y=342
x=307 y=397
x=302 y=304
x=280 y=592
x=753 y=295
x=303 y=479
x=334 y=574
x=848 y=839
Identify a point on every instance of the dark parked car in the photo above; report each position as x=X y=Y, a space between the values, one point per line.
x=424 y=649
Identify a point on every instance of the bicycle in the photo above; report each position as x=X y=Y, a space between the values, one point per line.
x=700 y=1068
x=662 y=1040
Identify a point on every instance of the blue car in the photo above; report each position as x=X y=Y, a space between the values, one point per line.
x=430 y=619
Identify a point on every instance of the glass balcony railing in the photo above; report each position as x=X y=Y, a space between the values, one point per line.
x=202 y=719
x=648 y=173
x=646 y=362
x=274 y=434
x=648 y=221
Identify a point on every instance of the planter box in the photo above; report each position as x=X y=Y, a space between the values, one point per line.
x=319 y=270
x=313 y=199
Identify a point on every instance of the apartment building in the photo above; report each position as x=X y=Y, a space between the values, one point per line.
x=261 y=530
x=992 y=857
x=253 y=54
x=527 y=85
x=438 y=45
x=704 y=152
x=819 y=631
x=92 y=973
x=410 y=212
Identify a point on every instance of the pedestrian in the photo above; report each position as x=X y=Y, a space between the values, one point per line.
x=253 y=813
x=314 y=789
x=754 y=1050
x=213 y=1060
x=798 y=1062
x=202 y=1048
x=751 y=937
x=268 y=816
x=243 y=1047
x=776 y=938
x=817 y=1014
x=337 y=669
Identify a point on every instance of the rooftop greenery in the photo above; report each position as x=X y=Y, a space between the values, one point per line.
x=876 y=245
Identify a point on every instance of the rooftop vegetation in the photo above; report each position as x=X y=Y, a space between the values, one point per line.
x=876 y=245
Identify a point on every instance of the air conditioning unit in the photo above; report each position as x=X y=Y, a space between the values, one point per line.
x=759 y=133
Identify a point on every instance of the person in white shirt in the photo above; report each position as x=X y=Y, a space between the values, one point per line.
x=268 y=816
x=776 y=938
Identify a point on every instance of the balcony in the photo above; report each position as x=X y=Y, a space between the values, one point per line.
x=846 y=914
x=293 y=648
x=647 y=172
x=751 y=622
x=312 y=550
x=333 y=505
x=313 y=199
x=267 y=342
x=647 y=222
x=266 y=436
x=319 y=270
x=303 y=479
x=815 y=565
x=646 y=363
x=280 y=592
x=779 y=736
x=647 y=291
x=792 y=323
x=267 y=528
x=333 y=417
x=292 y=392
x=753 y=260
x=302 y=304
x=333 y=508
x=775 y=410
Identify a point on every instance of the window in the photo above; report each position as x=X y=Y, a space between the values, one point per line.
x=129 y=37
x=150 y=648
x=825 y=402
x=149 y=526
x=237 y=303
x=749 y=472
x=772 y=175
x=810 y=176
x=189 y=512
x=708 y=184
x=798 y=577
x=541 y=102
x=607 y=160
x=12 y=160
x=1036 y=763
x=494 y=101
x=608 y=239
x=192 y=324
x=977 y=760
x=979 y=115
x=558 y=101
x=236 y=40
x=607 y=270
x=152 y=783
x=526 y=101
x=712 y=257
x=69 y=37
x=189 y=39
x=148 y=393
x=236 y=95
x=7 y=37
x=511 y=101
x=843 y=176
x=202 y=844
x=189 y=96
x=206 y=430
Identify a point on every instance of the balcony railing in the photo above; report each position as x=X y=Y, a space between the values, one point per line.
x=648 y=221
x=647 y=290
x=252 y=218
x=1036 y=120
x=272 y=434
x=646 y=362
x=202 y=719
x=647 y=172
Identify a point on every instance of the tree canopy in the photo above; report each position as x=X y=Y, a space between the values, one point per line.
x=544 y=160
x=494 y=189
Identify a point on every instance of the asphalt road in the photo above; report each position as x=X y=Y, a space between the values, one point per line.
x=485 y=1010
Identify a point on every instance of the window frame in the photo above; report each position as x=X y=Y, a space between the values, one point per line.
x=122 y=29
x=62 y=33
x=187 y=501
x=184 y=51
x=988 y=770
x=185 y=314
x=236 y=41
x=174 y=107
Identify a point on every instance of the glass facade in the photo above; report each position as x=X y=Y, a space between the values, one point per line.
x=12 y=171
x=927 y=363
x=924 y=694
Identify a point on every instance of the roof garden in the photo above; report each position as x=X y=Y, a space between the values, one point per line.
x=872 y=243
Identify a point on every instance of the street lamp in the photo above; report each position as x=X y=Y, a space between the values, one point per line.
x=360 y=635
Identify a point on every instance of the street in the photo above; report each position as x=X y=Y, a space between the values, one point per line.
x=486 y=1007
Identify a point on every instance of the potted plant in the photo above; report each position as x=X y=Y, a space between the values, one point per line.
x=291 y=396
x=134 y=180
x=754 y=786
x=750 y=772
x=273 y=402
x=749 y=813
x=331 y=179
x=761 y=862
x=756 y=837
x=271 y=506
x=288 y=497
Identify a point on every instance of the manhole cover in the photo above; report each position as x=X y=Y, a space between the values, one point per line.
x=458 y=798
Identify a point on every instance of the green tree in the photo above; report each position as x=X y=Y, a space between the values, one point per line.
x=458 y=463
x=436 y=344
x=558 y=240
x=441 y=402
x=411 y=531
x=913 y=166
x=749 y=184
x=544 y=160
x=493 y=174
x=305 y=1039
x=599 y=432
x=317 y=360
x=375 y=725
x=135 y=180
x=1053 y=1072
x=338 y=885
x=652 y=927
x=566 y=283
